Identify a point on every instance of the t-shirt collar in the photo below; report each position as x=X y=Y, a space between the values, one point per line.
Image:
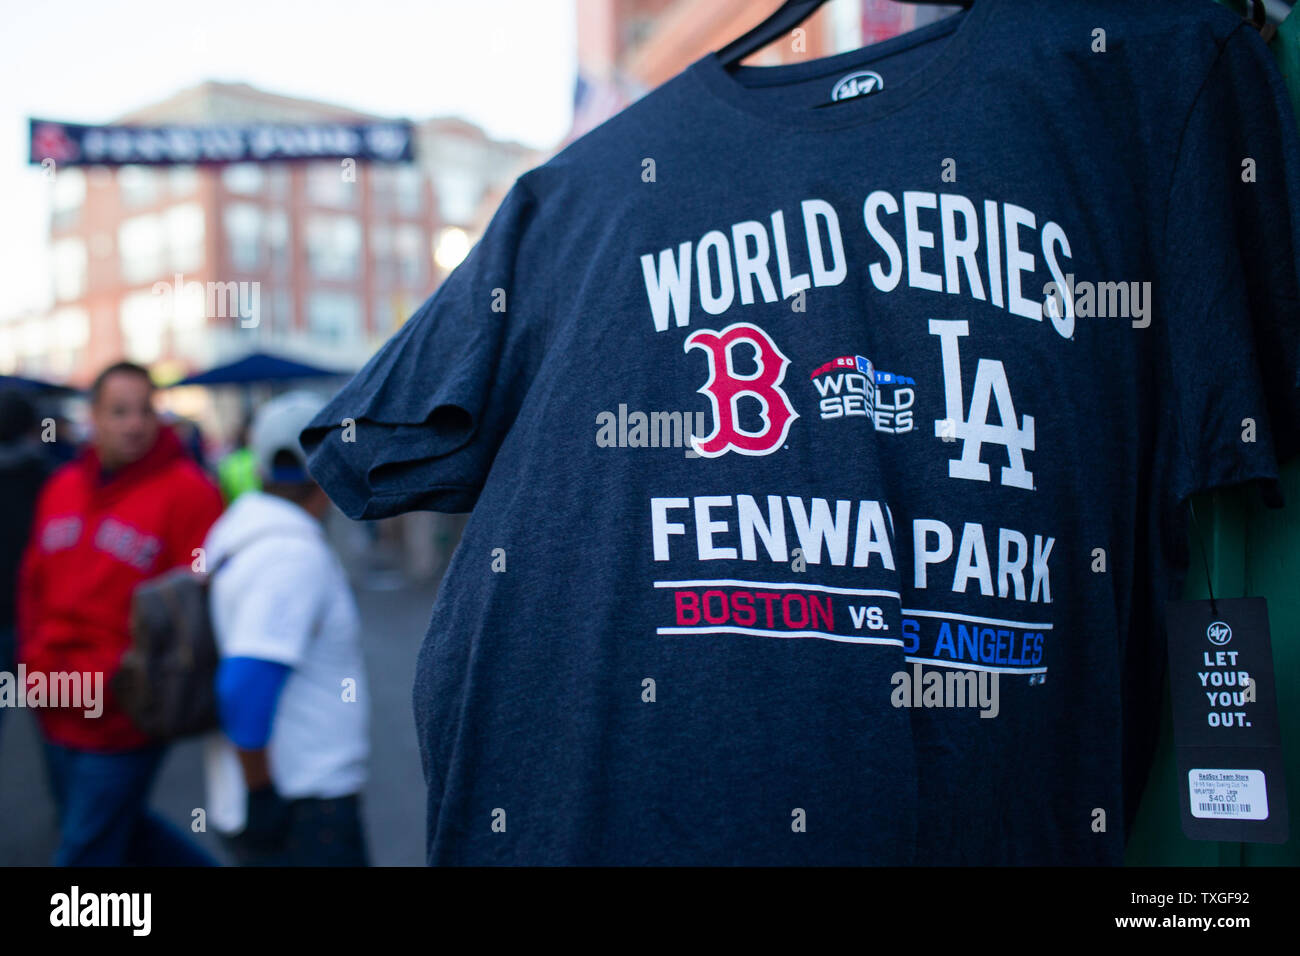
x=737 y=87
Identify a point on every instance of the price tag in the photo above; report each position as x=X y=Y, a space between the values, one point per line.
x=1228 y=746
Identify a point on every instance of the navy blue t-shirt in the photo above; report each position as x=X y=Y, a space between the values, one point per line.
x=770 y=421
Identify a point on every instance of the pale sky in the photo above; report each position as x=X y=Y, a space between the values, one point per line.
x=506 y=65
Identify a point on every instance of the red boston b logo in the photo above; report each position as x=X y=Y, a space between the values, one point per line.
x=724 y=389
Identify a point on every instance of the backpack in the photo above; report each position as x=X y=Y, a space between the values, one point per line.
x=166 y=681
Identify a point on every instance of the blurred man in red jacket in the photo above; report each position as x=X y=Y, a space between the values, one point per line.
x=131 y=507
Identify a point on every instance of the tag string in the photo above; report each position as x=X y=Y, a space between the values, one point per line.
x=1205 y=558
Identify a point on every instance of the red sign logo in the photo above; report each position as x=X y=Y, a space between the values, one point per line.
x=50 y=141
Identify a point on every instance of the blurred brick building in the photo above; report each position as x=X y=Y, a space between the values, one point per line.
x=339 y=264
x=628 y=47
x=340 y=260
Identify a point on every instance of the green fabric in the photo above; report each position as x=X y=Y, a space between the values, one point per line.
x=1286 y=50
x=237 y=473
x=1253 y=551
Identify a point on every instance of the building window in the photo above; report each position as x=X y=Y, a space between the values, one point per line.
x=185 y=229
x=69 y=262
x=278 y=239
x=334 y=318
x=327 y=187
x=408 y=189
x=390 y=313
x=334 y=247
x=380 y=187
x=636 y=28
x=67 y=198
x=408 y=243
x=281 y=323
x=244 y=236
x=381 y=255
x=138 y=185
x=140 y=244
x=72 y=327
x=70 y=332
x=143 y=323
x=188 y=322
x=34 y=342
x=242 y=178
x=459 y=195
x=277 y=181
x=183 y=180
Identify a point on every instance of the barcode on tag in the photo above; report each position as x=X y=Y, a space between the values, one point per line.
x=1228 y=794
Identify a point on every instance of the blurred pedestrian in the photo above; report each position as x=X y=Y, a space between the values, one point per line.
x=132 y=506
x=190 y=435
x=24 y=466
x=285 y=775
x=237 y=470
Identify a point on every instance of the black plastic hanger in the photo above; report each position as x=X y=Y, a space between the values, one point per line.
x=1257 y=14
x=785 y=18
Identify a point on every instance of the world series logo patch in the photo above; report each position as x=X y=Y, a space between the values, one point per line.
x=852 y=387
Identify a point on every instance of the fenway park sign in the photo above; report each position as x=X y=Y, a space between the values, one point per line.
x=70 y=144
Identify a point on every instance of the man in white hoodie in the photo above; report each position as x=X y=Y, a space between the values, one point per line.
x=286 y=772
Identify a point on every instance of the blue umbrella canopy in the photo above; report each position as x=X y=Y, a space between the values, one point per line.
x=258 y=367
x=35 y=385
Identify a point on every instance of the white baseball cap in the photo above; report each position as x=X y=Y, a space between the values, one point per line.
x=275 y=429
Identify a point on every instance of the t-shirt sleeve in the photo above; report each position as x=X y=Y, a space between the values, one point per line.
x=1227 y=286
x=418 y=427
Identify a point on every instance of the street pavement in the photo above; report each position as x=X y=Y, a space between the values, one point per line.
x=394 y=617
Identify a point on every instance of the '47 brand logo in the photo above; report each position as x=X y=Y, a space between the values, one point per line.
x=724 y=389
